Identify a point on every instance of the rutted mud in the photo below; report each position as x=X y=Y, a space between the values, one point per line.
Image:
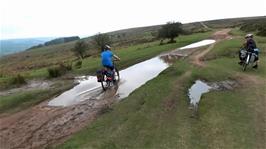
x=44 y=125
x=197 y=59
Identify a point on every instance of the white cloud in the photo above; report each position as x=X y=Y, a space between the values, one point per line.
x=35 y=18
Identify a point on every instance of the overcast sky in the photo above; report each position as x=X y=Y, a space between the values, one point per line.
x=54 y=18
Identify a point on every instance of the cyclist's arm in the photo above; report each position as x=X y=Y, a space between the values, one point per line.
x=116 y=57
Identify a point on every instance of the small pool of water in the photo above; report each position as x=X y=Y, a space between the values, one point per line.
x=196 y=90
x=199 y=44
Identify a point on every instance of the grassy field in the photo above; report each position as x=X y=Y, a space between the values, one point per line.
x=157 y=116
x=129 y=56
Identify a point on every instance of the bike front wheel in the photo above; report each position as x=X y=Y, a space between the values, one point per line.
x=117 y=75
x=244 y=66
x=105 y=84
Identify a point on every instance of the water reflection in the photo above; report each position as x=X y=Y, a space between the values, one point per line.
x=199 y=44
x=137 y=75
x=197 y=90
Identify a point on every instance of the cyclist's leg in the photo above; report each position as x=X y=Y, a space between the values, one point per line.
x=256 y=59
x=112 y=68
x=110 y=71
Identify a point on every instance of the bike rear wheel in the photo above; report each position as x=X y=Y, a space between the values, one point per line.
x=246 y=62
x=244 y=66
x=107 y=83
x=117 y=75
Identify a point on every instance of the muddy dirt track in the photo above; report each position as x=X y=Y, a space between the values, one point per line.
x=42 y=126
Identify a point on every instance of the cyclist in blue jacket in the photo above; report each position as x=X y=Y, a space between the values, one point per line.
x=107 y=58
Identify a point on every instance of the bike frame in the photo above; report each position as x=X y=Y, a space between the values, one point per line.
x=248 y=58
x=107 y=81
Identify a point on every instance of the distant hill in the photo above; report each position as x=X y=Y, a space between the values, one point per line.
x=35 y=58
x=61 y=40
x=10 y=46
x=56 y=41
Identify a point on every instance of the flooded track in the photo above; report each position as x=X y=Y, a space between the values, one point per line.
x=52 y=122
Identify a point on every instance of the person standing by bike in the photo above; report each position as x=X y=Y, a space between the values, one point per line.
x=250 y=46
x=107 y=58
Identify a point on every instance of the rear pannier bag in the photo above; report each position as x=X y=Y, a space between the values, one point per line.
x=99 y=74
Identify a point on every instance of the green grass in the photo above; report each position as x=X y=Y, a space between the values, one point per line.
x=226 y=48
x=22 y=100
x=157 y=116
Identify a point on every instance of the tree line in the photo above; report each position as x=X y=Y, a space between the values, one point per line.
x=170 y=31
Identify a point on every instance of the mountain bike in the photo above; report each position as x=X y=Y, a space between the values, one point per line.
x=249 y=59
x=108 y=77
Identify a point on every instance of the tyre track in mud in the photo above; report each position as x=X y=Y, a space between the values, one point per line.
x=197 y=58
x=43 y=126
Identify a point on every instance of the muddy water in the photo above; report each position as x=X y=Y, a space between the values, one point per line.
x=130 y=79
x=198 y=44
x=88 y=87
x=137 y=75
x=197 y=90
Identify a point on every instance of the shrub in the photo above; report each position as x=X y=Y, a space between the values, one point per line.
x=66 y=67
x=57 y=71
x=80 y=48
x=259 y=27
x=78 y=64
x=54 y=72
x=18 y=80
x=101 y=40
x=170 y=30
x=262 y=32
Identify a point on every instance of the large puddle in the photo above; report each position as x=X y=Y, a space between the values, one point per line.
x=196 y=90
x=86 y=89
x=137 y=75
x=199 y=44
x=131 y=79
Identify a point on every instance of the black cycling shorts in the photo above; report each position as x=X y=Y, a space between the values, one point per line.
x=110 y=67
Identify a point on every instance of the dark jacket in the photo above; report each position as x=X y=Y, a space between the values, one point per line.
x=250 y=45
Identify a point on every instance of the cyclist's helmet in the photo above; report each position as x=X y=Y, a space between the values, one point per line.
x=249 y=36
x=107 y=47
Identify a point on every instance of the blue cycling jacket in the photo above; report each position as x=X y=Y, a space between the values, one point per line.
x=107 y=58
